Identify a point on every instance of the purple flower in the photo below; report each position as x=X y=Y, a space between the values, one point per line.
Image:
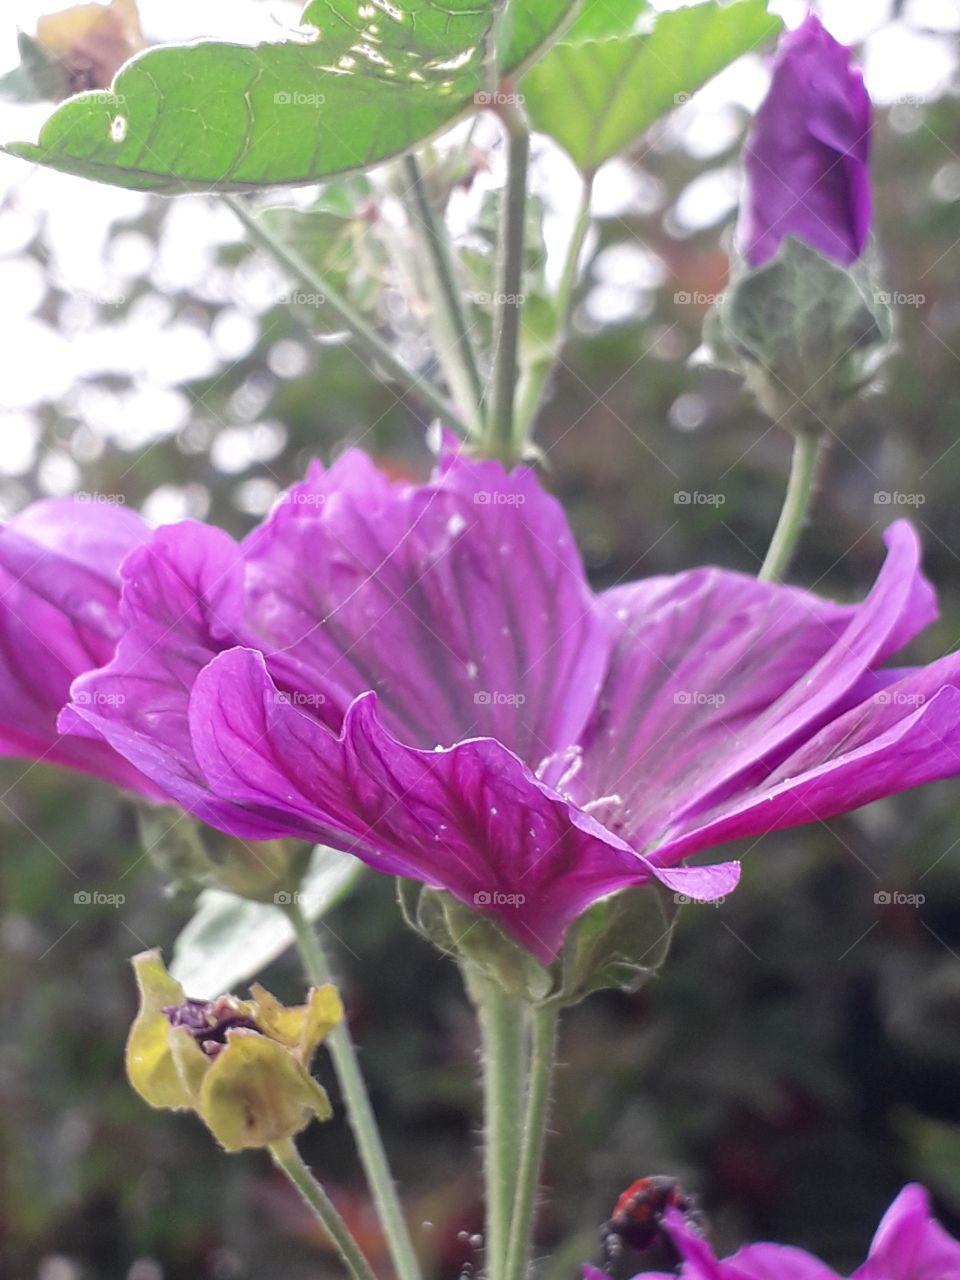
x=806 y=159
x=419 y=674
x=909 y=1245
x=59 y=617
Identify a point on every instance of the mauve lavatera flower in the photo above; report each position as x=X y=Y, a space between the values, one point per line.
x=909 y=1245
x=806 y=160
x=420 y=675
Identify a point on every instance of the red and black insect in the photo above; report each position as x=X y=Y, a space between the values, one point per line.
x=637 y=1218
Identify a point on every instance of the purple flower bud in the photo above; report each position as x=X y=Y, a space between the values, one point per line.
x=806 y=159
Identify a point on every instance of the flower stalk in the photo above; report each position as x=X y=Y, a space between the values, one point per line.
x=366 y=1132
x=503 y=1036
x=538 y=378
x=451 y=330
x=544 y=1022
x=807 y=450
x=365 y=335
x=289 y=1161
x=502 y=438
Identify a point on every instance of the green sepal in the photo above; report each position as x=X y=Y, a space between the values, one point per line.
x=621 y=942
x=192 y=857
x=806 y=334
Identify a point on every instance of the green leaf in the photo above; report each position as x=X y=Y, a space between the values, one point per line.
x=600 y=18
x=376 y=79
x=596 y=97
x=229 y=939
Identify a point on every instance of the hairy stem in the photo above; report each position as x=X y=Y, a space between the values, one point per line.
x=807 y=448
x=539 y=377
x=502 y=1028
x=452 y=332
x=373 y=1157
x=287 y=1158
x=365 y=336
x=542 y=1060
x=501 y=437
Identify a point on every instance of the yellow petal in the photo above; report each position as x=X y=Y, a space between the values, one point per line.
x=324 y=1011
x=151 y=1068
x=256 y=1093
x=191 y=1063
x=301 y=1028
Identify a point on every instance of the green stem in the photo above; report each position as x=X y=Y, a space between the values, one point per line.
x=287 y=1158
x=452 y=333
x=807 y=448
x=373 y=1157
x=542 y=1059
x=365 y=335
x=539 y=377
x=501 y=436
x=502 y=1027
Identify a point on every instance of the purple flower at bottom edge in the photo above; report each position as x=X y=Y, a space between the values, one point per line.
x=420 y=675
x=909 y=1245
x=806 y=160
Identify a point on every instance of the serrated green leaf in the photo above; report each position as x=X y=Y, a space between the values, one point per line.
x=230 y=940
x=377 y=79
x=596 y=97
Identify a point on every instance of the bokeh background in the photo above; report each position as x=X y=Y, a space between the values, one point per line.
x=799 y=1059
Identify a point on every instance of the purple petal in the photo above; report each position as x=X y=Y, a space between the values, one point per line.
x=471 y=819
x=910 y=1244
x=717 y=677
x=59 y=617
x=806 y=161
x=182 y=603
x=907 y=734
x=773 y=1262
x=462 y=603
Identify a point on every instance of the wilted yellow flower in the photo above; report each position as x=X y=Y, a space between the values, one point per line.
x=242 y=1065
